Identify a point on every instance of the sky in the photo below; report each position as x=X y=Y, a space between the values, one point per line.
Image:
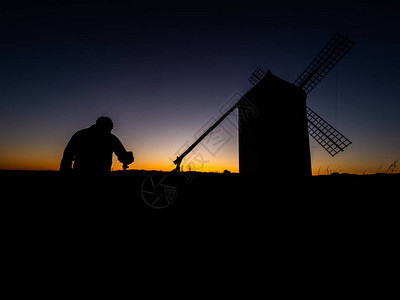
x=164 y=71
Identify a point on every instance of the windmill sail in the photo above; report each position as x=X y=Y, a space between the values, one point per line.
x=329 y=56
x=256 y=76
x=327 y=136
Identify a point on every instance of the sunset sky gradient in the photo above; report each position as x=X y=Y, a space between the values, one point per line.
x=164 y=70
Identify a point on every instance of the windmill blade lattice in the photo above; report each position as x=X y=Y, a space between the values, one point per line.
x=327 y=136
x=329 y=56
x=256 y=76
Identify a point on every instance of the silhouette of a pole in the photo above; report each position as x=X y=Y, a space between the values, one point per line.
x=179 y=159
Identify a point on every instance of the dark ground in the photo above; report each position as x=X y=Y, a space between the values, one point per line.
x=340 y=227
x=198 y=198
x=215 y=207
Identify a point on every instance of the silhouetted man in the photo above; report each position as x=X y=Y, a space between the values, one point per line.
x=91 y=149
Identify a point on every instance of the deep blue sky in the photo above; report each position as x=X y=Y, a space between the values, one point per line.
x=161 y=70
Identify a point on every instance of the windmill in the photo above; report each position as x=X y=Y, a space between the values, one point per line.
x=284 y=121
x=274 y=126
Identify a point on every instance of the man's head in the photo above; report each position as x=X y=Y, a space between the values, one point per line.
x=105 y=124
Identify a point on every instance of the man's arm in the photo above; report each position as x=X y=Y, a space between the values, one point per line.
x=125 y=157
x=69 y=155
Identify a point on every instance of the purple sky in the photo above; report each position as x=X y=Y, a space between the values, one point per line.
x=162 y=70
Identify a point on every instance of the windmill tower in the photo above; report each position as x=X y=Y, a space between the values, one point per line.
x=268 y=143
x=277 y=140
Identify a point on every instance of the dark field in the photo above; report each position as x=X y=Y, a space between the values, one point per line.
x=341 y=220
x=195 y=197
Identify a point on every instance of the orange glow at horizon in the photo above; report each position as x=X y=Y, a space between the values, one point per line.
x=54 y=166
x=47 y=157
x=159 y=165
x=51 y=162
x=216 y=166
